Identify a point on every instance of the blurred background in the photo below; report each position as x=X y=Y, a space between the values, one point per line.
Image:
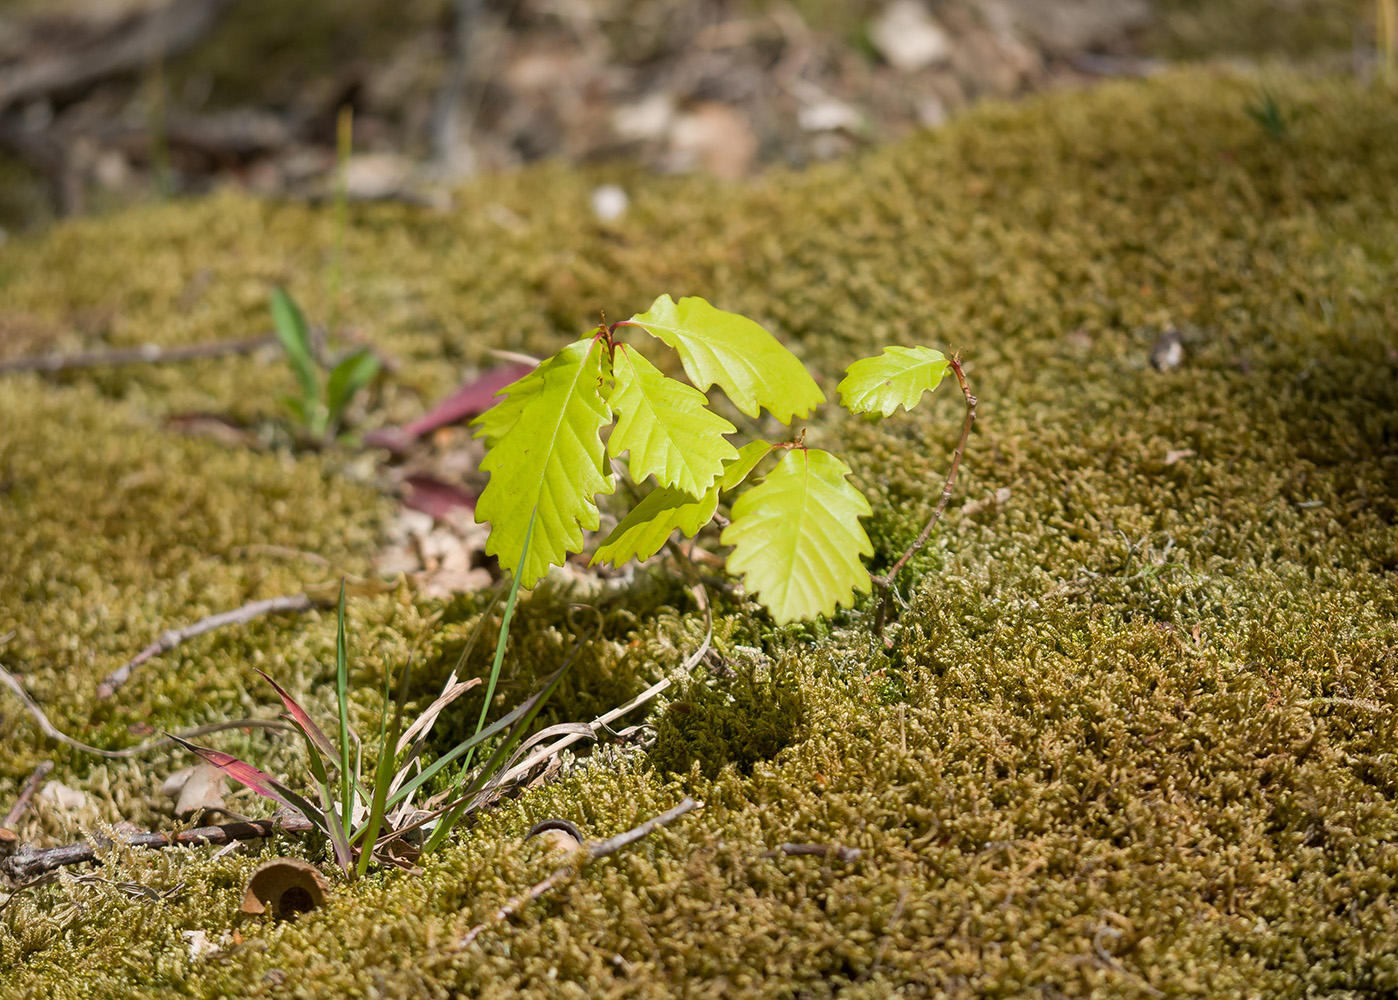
x=105 y=102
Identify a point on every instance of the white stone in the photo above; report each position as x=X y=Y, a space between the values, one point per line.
x=908 y=37
x=609 y=202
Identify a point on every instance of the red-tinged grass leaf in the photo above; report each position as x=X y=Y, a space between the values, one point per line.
x=258 y=780
x=303 y=720
x=432 y=496
x=475 y=396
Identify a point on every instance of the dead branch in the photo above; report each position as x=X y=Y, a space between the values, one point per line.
x=143 y=354
x=587 y=853
x=836 y=851
x=170 y=639
x=131 y=45
x=29 y=862
x=10 y=681
x=884 y=583
x=27 y=792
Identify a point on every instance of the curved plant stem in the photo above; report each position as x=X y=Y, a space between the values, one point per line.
x=884 y=584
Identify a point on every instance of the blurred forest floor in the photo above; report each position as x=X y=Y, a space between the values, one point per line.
x=107 y=102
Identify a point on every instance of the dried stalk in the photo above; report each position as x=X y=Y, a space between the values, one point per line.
x=29 y=862
x=587 y=853
x=170 y=639
x=10 y=681
x=27 y=792
x=884 y=584
x=837 y=851
x=144 y=354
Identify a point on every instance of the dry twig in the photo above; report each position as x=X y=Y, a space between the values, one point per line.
x=143 y=354
x=837 y=851
x=588 y=853
x=132 y=44
x=10 y=681
x=170 y=639
x=27 y=792
x=29 y=862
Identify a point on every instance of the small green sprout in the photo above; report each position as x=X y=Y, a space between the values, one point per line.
x=797 y=538
x=319 y=409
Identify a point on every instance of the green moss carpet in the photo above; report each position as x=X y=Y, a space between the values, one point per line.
x=1135 y=737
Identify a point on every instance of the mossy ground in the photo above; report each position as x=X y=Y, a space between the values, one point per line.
x=1137 y=735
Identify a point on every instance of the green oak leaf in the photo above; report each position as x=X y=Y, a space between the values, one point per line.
x=797 y=538
x=897 y=377
x=738 y=469
x=667 y=427
x=551 y=458
x=494 y=423
x=745 y=360
x=643 y=532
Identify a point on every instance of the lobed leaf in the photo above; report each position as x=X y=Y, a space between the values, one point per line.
x=643 y=532
x=797 y=537
x=667 y=426
x=898 y=377
x=551 y=459
x=495 y=423
x=737 y=354
x=736 y=471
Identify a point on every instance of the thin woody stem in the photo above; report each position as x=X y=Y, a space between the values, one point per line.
x=885 y=583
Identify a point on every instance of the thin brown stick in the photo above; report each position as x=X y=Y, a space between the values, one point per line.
x=29 y=862
x=26 y=793
x=170 y=639
x=837 y=851
x=133 y=43
x=587 y=853
x=10 y=681
x=885 y=583
x=144 y=354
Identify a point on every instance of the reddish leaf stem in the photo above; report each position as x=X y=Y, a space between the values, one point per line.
x=884 y=583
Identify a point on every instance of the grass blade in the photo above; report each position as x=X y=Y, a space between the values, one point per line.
x=383 y=776
x=303 y=720
x=295 y=336
x=491 y=767
x=347 y=777
x=504 y=633
x=258 y=780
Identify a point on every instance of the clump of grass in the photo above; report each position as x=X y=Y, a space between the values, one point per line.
x=369 y=817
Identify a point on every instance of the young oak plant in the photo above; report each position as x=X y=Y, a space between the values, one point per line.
x=796 y=537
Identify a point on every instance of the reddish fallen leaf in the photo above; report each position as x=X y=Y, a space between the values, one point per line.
x=475 y=396
x=434 y=497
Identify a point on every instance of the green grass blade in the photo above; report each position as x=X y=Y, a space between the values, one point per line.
x=347 y=776
x=346 y=380
x=383 y=776
x=491 y=766
x=504 y=634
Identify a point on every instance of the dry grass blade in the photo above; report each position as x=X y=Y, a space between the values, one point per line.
x=520 y=770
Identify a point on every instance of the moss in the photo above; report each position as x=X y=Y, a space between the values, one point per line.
x=738 y=718
x=1135 y=736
